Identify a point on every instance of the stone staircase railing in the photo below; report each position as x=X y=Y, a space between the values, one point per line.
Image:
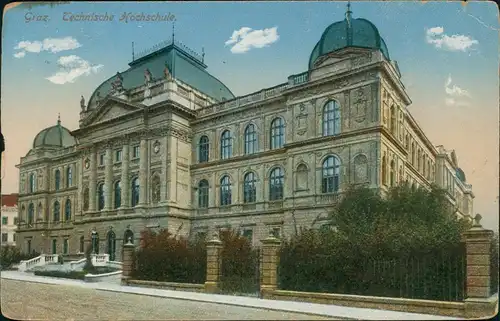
x=76 y=264
x=43 y=259
x=100 y=259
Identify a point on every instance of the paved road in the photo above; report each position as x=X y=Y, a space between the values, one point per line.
x=24 y=300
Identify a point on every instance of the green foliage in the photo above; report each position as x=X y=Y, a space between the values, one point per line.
x=164 y=257
x=403 y=244
x=494 y=264
x=240 y=262
x=9 y=255
x=77 y=275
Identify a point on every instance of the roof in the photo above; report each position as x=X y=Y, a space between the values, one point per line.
x=9 y=200
x=54 y=136
x=349 y=32
x=182 y=65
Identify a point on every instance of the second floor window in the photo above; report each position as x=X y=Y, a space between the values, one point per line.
x=69 y=176
x=226 y=145
x=249 y=188
x=32 y=183
x=203 y=189
x=330 y=175
x=57 y=179
x=276 y=183
x=203 y=149
x=277 y=133
x=135 y=152
x=250 y=139
x=101 y=159
x=118 y=156
x=331 y=119
x=225 y=191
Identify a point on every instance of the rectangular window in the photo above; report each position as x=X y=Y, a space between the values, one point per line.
x=277 y=232
x=118 y=156
x=5 y=237
x=101 y=159
x=16 y=220
x=135 y=152
x=5 y=220
x=14 y=237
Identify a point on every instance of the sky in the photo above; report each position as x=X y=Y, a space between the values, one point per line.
x=447 y=53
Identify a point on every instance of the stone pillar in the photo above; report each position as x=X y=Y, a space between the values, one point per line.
x=269 y=264
x=108 y=179
x=214 y=263
x=478 y=303
x=125 y=176
x=93 y=181
x=164 y=170
x=172 y=172
x=143 y=172
x=128 y=260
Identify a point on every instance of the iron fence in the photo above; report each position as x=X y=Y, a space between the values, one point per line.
x=440 y=275
x=241 y=277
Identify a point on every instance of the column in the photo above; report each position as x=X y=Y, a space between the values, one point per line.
x=212 y=194
x=143 y=172
x=259 y=192
x=128 y=260
x=478 y=303
x=269 y=264
x=214 y=261
x=172 y=172
x=164 y=170
x=93 y=181
x=125 y=176
x=108 y=179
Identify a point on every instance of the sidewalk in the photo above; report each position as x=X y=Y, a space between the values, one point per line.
x=340 y=312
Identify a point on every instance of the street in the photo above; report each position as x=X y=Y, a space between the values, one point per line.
x=25 y=300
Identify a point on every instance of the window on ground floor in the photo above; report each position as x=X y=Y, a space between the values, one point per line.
x=5 y=237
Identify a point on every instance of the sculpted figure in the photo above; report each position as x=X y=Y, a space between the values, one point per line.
x=148 y=76
x=82 y=104
x=166 y=72
x=117 y=84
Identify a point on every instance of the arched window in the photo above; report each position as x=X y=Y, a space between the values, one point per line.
x=57 y=212
x=69 y=176
x=118 y=194
x=330 y=175
x=393 y=173
x=39 y=212
x=31 y=213
x=86 y=199
x=203 y=194
x=57 y=180
x=67 y=210
x=249 y=188
x=23 y=213
x=155 y=190
x=277 y=133
x=384 y=170
x=135 y=191
x=32 y=183
x=276 y=183
x=100 y=196
x=250 y=139
x=82 y=244
x=301 y=180
x=360 y=169
x=225 y=191
x=394 y=123
x=226 y=145
x=203 y=149
x=331 y=118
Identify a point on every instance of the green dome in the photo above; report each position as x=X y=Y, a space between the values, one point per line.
x=349 y=32
x=54 y=137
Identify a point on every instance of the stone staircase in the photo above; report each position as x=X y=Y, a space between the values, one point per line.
x=43 y=259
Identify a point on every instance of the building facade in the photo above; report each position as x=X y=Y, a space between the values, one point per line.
x=166 y=144
x=9 y=219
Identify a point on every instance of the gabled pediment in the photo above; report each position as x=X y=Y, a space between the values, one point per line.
x=111 y=108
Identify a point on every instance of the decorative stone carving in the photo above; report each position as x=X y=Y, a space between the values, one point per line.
x=359 y=105
x=156 y=147
x=341 y=83
x=98 y=98
x=166 y=72
x=301 y=120
x=82 y=104
x=117 y=84
x=148 y=76
x=87 y=163
x=361 y=60
x=360 y=168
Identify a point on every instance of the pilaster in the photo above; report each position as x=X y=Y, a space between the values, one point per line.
x=125 y=176
x=172 y=173
x=164 y=170
x=108 y=179
x=93 y=181
x=143 y=172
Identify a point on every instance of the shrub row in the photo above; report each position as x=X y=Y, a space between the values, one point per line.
x=165 y=257
x=10 y=255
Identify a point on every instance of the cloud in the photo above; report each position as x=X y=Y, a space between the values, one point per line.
x=53 y=45
x=245 y=39
x=20 y=54
x=72 y=67
x=455 y=94
x=440 y=40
